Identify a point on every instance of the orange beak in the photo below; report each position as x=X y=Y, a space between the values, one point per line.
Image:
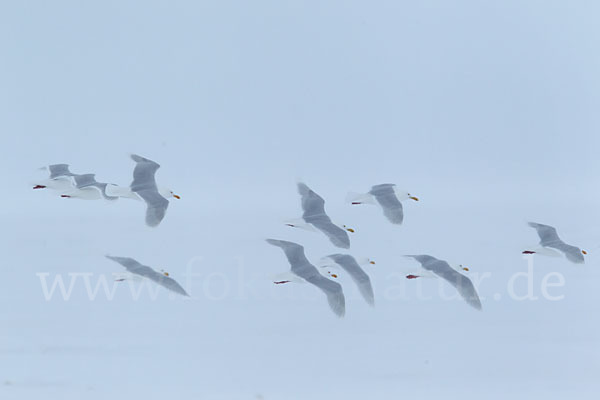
x=176 y=196
x=584 y=252
x=334 y=275
x=372 y=262
x=414 y=198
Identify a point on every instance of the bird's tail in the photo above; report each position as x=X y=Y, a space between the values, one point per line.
x=286 y=277
x=299 y=223
x=359 y=198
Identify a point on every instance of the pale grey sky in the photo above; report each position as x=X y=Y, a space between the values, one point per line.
x=487 y=110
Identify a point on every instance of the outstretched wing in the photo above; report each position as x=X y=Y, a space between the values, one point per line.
x=461 y=283
x=293 y=252
x=358 y=275
x=89 y=181
x=143 y=174
x=127 y=262
x=338 y=236
x=548 y=235
x=305 y=270
x=156 y=206
x=142 y=270
x=333 y=291
x=144 y=185
x=312 y=203
x=59 y=170
x=387 y=199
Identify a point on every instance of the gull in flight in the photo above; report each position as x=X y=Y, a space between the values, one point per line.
x=70 y=185
x=161 y=278
x=60 y=178
x=303 y=271
x=388 y=197
x=86 y=187
x=314 y=217
x=549 y=240
x=358 y=275
x=144 y=188
x=442 y=269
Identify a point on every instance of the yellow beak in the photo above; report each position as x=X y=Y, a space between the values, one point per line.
x=372 y=262
x=414 y=198
x=584 y=252
x=176 y=196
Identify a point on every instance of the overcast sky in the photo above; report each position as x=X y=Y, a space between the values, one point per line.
x=488 y=111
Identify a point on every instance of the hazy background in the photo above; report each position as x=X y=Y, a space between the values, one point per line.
x=487 y=112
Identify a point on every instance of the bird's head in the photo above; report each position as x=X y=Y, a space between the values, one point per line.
x=168 y=193
x=351 y=230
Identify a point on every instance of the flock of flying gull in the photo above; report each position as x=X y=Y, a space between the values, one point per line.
x=144 y=188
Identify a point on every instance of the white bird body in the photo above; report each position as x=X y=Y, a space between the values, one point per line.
x=550 y=241
x=388 y=197
x=62 y=184
x=143 y=271
x=126 y=193
x=87 y=188
x=352 y=267
x=314 y=215
x=304 y=270
x=60 y=178
x=443 y=270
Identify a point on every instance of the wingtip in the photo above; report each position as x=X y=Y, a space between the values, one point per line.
x=273 y=242
x=137 y=158
x=302 y=187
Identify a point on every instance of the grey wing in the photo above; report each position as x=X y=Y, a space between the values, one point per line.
x=58 y=170
x=392 y=207
x=166 y=282
x=358 y=275
x=84 y=180
x=127 y=262
x=143 y=174
x=293 y=252
x=548 y=235
x=461 y=283
x=336 y=235
x=156 y=206
x=102 y=187
x=312 y=203
x=143 y=270
x=387 y=199
x=572 y=253
x=89 y=180
x=333 y=291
